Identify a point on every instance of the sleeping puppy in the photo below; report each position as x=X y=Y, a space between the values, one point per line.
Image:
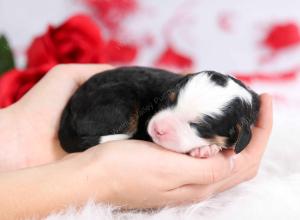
x=198 y=114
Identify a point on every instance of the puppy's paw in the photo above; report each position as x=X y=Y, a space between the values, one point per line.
x=205 y=151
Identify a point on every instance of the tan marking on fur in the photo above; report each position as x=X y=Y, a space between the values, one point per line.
x=172 y=96
x=133 y=121
x=219 y=140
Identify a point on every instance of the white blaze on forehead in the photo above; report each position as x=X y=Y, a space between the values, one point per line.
x=201 y=95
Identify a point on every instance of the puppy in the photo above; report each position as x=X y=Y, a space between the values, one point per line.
x=198 y=114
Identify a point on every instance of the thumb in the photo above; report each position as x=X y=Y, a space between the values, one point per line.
x=205 y=171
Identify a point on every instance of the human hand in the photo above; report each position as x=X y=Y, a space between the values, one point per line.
x=171 y=177
x=134 y=174
x=34 y=119
x=138 y=174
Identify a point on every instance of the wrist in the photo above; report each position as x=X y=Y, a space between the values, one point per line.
x=96 y=184
x=71 y=181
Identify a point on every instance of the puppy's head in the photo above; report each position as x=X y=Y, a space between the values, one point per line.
x=203 y=109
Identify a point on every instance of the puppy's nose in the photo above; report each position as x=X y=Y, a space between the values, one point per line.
x=162 y=129
x=159 y=130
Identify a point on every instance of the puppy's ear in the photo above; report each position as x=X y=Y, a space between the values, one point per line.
x=244 y=136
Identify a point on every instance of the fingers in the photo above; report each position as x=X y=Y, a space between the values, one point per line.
x=187 y=194
x=199 y=192
x=202 y=171
x=234 y=180
x=46 y=100
x=61 y=82
x=79 y=72
x=180 y=169
x=66 y=78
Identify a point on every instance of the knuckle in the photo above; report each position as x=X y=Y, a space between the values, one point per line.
x=213 y=175
x=211 y=178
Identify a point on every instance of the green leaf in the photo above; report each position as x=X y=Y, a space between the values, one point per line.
x=6 y=55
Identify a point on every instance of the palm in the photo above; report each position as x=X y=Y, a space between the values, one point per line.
x=40 y=109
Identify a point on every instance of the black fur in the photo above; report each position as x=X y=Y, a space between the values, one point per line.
x=218 y=78
x=235 y=123
x=236 y=120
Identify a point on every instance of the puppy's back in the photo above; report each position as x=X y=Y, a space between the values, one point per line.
x=107 y=100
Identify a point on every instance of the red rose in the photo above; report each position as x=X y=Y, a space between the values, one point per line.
x=78 y=40
x=15 y=83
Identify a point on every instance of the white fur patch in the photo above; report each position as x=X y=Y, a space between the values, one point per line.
x=202 y=96
x=113 y=137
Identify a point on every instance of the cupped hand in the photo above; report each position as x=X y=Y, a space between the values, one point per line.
x=35 y=117
x=140 y=174
x=134 y=174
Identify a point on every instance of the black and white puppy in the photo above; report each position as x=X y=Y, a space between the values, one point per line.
x=198 y=113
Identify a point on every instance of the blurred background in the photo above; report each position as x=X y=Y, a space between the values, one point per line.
x=257 y=41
